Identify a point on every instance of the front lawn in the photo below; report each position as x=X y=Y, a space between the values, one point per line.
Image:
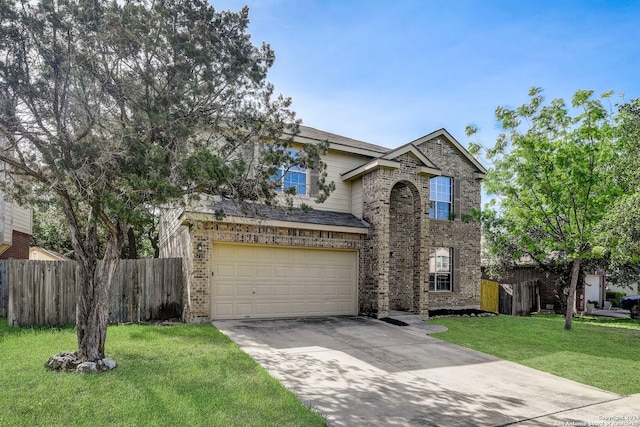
x=189 y=375
x=603 y=353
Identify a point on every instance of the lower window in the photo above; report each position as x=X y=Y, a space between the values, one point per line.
x=440 y=269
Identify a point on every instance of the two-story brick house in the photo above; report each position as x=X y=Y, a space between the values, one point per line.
x=390 y=237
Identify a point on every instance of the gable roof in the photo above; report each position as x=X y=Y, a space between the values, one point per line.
x=338 y=142
x=49 y=253
x=455 y=143
x=382 y=156
x=388 y=161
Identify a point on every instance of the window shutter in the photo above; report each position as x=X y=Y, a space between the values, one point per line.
x=456 y=270
x=456 y=197
x=313 y=176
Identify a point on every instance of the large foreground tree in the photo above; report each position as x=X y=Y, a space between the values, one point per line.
x=113 y=108
x=552 y=173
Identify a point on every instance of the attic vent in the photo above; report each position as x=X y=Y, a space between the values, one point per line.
x=439 y=147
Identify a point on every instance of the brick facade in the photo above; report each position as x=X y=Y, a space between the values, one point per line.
x=384 y=259
x=463 y=237
x=395 y=257
x=19 y=246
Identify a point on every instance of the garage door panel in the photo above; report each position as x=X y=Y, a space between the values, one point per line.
x=262 y=309
x=243 y=290
x=314 y=272
x=223 y=290
x=224 y=309
x=281 y=271
x=298 y=290
x=345 y=307
x=281 y=290
x=329 y=273
x=280 y=308
x=265 y=271
x=253 y=281
x=225 y=270
x=243 y=309
x=344 y=273
x=330 y=290
x=263 y=289
x=344 y=291
x=296 y=272
x=245 y=270
x=314 y=290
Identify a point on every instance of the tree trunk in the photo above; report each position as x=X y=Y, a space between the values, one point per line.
x=133 y=247
x=92 y=311
x=571 y=298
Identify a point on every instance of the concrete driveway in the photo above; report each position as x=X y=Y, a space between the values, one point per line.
x=364 y=372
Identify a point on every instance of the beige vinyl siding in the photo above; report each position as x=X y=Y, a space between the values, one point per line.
x=337 y=164
x=20 y=218
x=169 y=224
x=13 y=217
x=356 y=198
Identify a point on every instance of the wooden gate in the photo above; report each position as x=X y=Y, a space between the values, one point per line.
x=489 y=295
x=520 y=299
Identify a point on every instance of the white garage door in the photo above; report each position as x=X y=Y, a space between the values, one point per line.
x=252 y=281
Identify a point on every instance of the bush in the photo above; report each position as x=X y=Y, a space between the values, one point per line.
x=615 y=297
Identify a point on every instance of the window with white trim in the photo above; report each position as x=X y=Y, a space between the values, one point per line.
x=440 y=197
x=441 y=269
x=292 y=176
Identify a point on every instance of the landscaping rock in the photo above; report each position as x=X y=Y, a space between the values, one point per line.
x=69 y=362
x=464 y=312
x=108 y=363
x=63 y=361
x=87 y=367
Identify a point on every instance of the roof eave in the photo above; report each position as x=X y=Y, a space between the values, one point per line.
x=188 y=217
x=369 y=167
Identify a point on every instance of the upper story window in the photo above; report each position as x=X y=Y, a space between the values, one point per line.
x=441 y=197
x=293 y=176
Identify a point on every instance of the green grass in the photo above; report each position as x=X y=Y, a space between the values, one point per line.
x=603 y=353
x=189 y=375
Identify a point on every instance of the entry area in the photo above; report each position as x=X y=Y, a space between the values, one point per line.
x=255 y=281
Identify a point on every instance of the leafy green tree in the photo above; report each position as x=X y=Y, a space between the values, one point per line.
x=620 y=229
x=50 y=229
x=114 y=108
x=553 y=177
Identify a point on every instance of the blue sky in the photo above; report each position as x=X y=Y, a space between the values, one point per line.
x=388 y=72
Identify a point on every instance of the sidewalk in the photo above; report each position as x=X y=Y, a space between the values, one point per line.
x=622 y=314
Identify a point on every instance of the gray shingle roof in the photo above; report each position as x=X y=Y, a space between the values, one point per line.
x=280 y=213
x=320 y=135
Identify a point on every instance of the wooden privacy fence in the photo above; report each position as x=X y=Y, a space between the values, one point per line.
x=43 y=293
x=520 y=299
x=4 y=289
x=489 y=296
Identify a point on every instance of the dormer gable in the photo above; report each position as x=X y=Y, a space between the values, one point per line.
x=391 y=160
x=443 y=134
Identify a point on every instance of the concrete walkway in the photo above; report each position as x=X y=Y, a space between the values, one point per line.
x=619 y=313
x=364 y=372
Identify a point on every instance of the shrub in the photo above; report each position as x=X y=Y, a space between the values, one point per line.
x=615 y=297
